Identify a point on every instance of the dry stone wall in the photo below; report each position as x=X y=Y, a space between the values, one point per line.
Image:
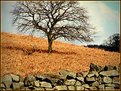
x=97 y=78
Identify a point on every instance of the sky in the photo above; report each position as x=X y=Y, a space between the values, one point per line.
x=104 y=16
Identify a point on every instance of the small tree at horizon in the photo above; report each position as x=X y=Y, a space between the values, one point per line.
x=113 y=41
x=55 y=19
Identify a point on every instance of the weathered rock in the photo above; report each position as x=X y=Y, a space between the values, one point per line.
x=117 y=67
x=29 y=80
x=80 y=79
x=2 y=86
x=17 y=85
x=94 y=67
x=95 y=84
x=93 y=88
x=78 y=83
x=108 y=67
x=109 y=73
x=70 y=82
x=71 y=88
x=116 y=80
x=102 y=87
x=36 y=83
x=21 y=79
x=32 y=87
x=93 y=72
x=46 y=84
x=90 y=79
x=15 y=78
x=85 y=85
x=79 y=74
x=66 y=73
x=116 y=86
x=40 y=77
x=79 y=88
x=100 y=80
x=7 y=81
x=62 y=87
x=109 y=88
x=54 y=79
x=84 y=73
x=107 y=80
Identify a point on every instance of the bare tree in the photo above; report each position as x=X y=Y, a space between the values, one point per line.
x=54 y=18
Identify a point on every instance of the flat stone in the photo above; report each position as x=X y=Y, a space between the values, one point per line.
x=70 y=82
x=86 y=89
x=107 y=80
x=40 y=88
x=32 y=87
x=15 y=78
x=90 y=75
x=17 y=85
x=78 y=83
x=62 y=87
x=46 y=84
x=66 y=73
x=109 y=73
x=79 y=88
x=95 y=84
x=36 y=83
x=90 y=79
x=109 y=88
x=110 y=85
x=102 y=87
x=71 y=88
x=7 y=80
x=93 y=88
x=116 y=80
x=85 y=85
x=80 y=79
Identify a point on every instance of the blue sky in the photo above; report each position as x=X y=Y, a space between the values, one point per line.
x=104 y=15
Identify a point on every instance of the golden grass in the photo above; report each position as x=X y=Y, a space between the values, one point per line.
x=65 y=56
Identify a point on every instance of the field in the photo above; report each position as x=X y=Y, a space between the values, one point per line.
x=14 y=58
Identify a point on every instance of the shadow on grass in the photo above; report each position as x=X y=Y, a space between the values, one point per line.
x=30 y=51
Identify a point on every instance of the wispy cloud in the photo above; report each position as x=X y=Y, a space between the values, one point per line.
x=100 y=13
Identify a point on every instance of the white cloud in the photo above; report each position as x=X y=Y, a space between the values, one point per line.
x=100 y=13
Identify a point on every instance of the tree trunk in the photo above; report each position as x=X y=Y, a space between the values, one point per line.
x=49 y=45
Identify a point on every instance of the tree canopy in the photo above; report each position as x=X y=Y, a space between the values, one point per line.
x=53 y=18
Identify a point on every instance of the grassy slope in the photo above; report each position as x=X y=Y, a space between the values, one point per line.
x=65 y=56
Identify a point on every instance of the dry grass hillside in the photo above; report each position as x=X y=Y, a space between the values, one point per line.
x=14 y=58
